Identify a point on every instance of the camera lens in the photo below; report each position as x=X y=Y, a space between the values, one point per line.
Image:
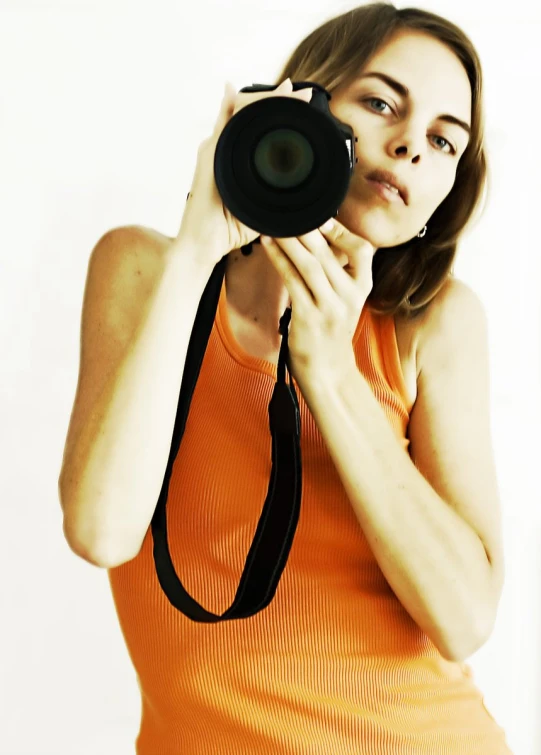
x=283 y=158
x=282 y=166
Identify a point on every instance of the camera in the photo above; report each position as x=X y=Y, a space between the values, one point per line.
x=283 y=166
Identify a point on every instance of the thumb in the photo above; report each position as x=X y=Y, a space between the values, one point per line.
x=356 y=248
x=226 y=109
x=344 y=239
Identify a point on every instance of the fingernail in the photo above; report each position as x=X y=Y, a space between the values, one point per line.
x=327 y=226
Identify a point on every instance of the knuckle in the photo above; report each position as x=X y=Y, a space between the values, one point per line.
x=331 y=317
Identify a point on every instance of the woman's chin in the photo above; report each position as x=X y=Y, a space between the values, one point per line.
x=376 y=235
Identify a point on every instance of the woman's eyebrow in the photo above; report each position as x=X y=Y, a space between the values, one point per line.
x=403 y=91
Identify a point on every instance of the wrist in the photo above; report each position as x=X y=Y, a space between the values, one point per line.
x=185 y=255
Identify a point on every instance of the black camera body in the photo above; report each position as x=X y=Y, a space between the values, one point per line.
x=283 y=166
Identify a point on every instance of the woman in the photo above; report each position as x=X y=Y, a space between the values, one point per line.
x=396 y=569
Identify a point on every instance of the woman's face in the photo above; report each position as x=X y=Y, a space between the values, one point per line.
x=404 y=135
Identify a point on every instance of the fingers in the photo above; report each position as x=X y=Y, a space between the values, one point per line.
x=341 y=237
x=286 y=88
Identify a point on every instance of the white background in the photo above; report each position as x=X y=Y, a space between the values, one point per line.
x=103 y=106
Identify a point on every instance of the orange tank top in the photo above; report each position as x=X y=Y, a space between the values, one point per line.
x=334 y=665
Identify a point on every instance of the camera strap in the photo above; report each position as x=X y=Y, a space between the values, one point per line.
x=272 y=542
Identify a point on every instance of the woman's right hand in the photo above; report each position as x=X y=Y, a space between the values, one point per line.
x=208 y=229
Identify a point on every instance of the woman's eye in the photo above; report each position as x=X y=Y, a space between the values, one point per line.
x=377 y=99
x=453 y=150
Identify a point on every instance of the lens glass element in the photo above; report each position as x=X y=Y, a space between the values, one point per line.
x=283 y=158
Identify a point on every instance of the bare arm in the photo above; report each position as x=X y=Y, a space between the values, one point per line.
x=140 y=302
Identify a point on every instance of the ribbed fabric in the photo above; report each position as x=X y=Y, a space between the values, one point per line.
x=334 y=665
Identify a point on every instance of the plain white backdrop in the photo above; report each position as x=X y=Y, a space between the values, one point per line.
x=103 y=106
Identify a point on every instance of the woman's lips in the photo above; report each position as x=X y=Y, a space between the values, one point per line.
x=384 y=192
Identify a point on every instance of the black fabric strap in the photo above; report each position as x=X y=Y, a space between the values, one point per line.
x=272 y=542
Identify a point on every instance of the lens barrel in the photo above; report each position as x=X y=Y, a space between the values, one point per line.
x=282 y=166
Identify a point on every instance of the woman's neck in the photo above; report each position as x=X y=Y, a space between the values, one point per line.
x=256 y=290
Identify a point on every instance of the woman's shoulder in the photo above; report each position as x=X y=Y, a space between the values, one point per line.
x=141 y=249
x=154 y=239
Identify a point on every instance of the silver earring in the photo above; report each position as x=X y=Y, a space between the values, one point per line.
x=422 y=233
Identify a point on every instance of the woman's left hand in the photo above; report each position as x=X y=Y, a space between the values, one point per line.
x=327 y=297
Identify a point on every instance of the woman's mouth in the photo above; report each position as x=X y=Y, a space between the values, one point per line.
x=385 y=191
